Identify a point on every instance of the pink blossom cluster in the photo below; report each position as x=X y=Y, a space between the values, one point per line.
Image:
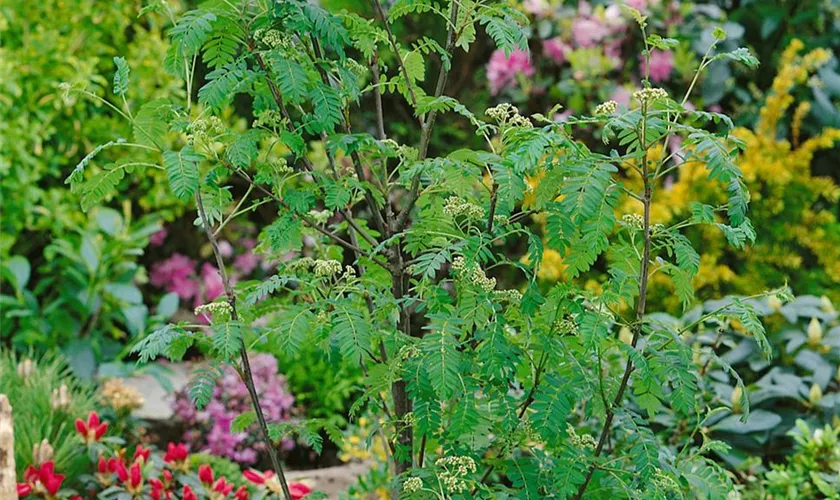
x=209 y=429
x=503 y=70
x=182 y=275
x=584 y=27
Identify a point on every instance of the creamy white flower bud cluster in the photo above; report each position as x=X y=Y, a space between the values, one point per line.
x=201 y=129
x=456 y=207
x=585 y=441
x=508 y=115
x=650 y=95
x=326 y=268
x=413 y=485
x=272 y=39
x=473 y=274
x=514 y=297
x=219 y=310
x=567 y=327
x=634 y=221
x=455 y=473
x=320 y=216
x=269 y=118
x=606 y=108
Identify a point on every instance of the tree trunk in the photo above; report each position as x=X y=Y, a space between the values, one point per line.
x=8 y=477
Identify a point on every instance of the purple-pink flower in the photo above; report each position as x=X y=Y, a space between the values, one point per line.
x=503 y=70
x=209 y=429
x=212 y=281
x=556 y=49
x=588 y=32
x=661 y=64
x=157 y=239
x=175 y=274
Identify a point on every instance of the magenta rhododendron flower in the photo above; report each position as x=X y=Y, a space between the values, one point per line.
x=556 y=49
x=661 y=64
x=588 y=32
x=158 y=238
x=175 y=274
x=536 y=7
x=502 y=70
x=212 y=281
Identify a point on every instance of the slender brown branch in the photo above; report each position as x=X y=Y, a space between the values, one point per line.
x=640 y=313
x=491 y=214
x=426 y=128
x=377 y=98
x=247 y=375
x=393 y=41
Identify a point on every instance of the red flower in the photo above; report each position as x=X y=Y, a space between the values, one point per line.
x=92 y=430
x=135 y=478
x=118 y=467
x=143 y=453
x=176 y=455
x=102 y=465
x=49 y=479
x=223 y=487
x=241 y=493
x=159 y=491
x=167 y=478
x=205 y=474
x=299 y=490
x=30 y=475
x=256 y=476
x=23 y=490
x=188 y=493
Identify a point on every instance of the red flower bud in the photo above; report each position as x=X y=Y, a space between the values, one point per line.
x=49 y=479
x=188 y=493
x=255 y=476
x=223 y=487
x=143 y=453
x=135 y=475
x=299 y=490
x=205 y=474
x=175 y=453
x=102 y=465
x=23 y=490
x=241 y=493
x=92 y=430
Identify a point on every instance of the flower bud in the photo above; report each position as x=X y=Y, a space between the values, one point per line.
x=735 y=399
x=60 y=398
x=42 y=452
x=815 y=333
x=826 y=305
x=774 y=302
x=815 y=395
x=625 y=335
x=25 y=368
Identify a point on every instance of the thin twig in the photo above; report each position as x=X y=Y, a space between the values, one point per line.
x=426 y=128
x=640 y=313
x=247 y=375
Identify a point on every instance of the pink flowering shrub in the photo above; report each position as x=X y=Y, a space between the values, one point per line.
x=503 y=70
x=201 y=283
x=586 y=53
x=210 y=429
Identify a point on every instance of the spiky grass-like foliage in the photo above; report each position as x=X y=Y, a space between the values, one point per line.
x=43 y=410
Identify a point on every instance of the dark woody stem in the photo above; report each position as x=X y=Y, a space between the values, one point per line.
x=245 y=373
